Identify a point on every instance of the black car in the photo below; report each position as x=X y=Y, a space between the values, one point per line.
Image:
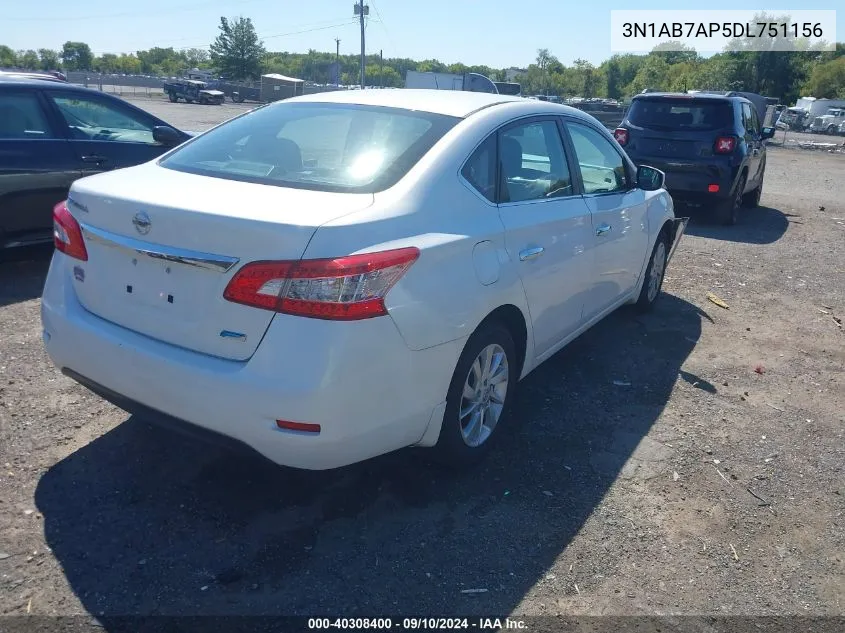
x=711 y=148
x=52 y=133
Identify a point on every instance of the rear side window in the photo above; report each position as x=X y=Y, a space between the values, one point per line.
x=21 y=117
x=319 y=146
x=480 y=169
x=680 y=114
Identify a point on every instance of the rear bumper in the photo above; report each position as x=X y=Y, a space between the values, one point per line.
x=689 y=181
x=359 y=380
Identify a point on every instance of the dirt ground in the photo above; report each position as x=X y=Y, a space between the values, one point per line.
x=686 y=462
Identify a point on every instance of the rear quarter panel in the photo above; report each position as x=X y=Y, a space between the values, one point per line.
x=446 y=294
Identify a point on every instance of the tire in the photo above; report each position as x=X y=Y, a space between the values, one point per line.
x=751 y=200
x=172 y=96
x=238 y=99
x=464 y=441
x=654 y=273
x=189 y=100
x=728 y=211
x=831 y=130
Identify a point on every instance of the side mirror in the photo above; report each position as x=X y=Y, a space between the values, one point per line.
x=649 y=178
x=166 y=135
x=767 y=132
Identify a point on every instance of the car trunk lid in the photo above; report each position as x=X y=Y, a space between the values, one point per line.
x=159 y=258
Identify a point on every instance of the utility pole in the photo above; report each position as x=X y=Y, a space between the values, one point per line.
x=337 y=63
x=361 y=10
x=381 y=69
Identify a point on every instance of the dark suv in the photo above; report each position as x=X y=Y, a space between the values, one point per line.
x=711 y=148
x=52 y=133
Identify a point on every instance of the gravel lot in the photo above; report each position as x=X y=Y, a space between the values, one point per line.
x=685 y=462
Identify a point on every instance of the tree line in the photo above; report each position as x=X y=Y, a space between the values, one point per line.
x=238 y=53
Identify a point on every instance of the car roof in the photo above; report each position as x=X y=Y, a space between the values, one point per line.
x=455 y=103
x=22 y=80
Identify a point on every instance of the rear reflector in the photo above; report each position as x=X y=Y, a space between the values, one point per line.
x=621 y=135
x=298 y=426
x=67 y=235
x=713 y=188
x=725 y=145
x=343 y=288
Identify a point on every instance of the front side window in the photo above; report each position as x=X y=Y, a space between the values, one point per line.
x=21 y=117
x=320 y=146
x=746 y=118
x=92 y=119
x=533 y=163
x=602 y=167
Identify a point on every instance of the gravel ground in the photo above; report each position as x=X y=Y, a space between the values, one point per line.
x=685 y=462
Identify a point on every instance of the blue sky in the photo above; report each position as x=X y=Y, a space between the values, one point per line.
x=495 y=32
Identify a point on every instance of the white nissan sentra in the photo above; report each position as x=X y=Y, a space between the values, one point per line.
x=336 y=276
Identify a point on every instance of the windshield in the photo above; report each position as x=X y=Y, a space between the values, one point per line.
x=322 y=146
x=680 y=114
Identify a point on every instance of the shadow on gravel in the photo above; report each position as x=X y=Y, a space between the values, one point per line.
x=145 y=523
x=761 y=225
x=22 y=273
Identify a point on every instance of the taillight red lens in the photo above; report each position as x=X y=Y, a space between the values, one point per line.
x=621 y=135
x=67 y=235
x=343 y=288
x=725 y=145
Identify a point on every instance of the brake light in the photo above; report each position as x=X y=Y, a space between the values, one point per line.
x=343 y=288
x=621 y=135
x=725 y=144
x=67 y=234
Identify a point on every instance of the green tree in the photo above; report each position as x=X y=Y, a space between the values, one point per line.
x=197 y=57
x=654 y=74
x=584 y=76
x=129 y=64
x=77 y=56
x=8 y=58
x=613 y=74
x=28 y=59
x=237 y=52
x=48 y=59
x=827 y=80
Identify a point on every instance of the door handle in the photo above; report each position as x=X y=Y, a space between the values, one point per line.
x=94 y=158
x=603 y=228
x=530 y=253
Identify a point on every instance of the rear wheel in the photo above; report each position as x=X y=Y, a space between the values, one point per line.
x=172 y=96
x=831 y=129
x=728 y=211
x=479 y=397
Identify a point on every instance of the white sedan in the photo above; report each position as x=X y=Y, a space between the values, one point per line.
x=341 y=275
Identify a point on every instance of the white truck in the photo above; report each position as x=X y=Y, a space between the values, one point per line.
x=828 y=123
x=470 y=82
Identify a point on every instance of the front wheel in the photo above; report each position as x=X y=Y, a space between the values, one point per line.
x=479 y=398
x=653 y=282
x=172 y=96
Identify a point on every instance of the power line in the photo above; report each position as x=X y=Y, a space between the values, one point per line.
x=334 y=25
x=383 y=25
x=77 y=18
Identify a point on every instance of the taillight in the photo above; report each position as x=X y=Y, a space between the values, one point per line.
x=343 y=288
x=67 y=235
x=725 y=145
x=621 y=135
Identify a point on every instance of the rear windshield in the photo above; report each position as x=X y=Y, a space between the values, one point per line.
x=680 y=114
x=321 y=146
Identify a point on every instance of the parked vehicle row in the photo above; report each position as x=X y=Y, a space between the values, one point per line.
x=406 y=257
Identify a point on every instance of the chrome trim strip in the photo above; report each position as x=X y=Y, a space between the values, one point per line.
x=208 y=261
